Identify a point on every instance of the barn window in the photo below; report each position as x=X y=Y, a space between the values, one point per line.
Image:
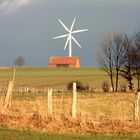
x=62 y=65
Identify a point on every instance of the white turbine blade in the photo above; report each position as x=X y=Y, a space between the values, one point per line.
x=66 y=43
x=72 y=24
x=78 y=31
x=63 y=25
x=61 y=36
x=76 y=41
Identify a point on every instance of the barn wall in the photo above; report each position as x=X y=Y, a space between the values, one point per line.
x=76 y=65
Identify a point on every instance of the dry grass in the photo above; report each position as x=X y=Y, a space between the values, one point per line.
x=106 y=114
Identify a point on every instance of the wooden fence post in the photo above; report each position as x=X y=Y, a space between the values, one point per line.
x=74 y=100
x=50 y=101
x=136 y=107
x=8 y=96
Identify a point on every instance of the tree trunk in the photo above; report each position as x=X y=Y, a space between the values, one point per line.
x=130 y=85
x=112 y=84
x=138 y=83
x=117 y=77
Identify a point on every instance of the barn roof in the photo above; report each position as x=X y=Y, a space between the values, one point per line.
x=63 y=60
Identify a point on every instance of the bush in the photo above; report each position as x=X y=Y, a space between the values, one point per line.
x=105 y=86
x=123 y=88
x=80 y=86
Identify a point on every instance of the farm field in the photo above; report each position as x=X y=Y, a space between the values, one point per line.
x=98 y=114
x=56 y=78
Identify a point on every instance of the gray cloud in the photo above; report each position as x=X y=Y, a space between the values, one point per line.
x=9 y=6
x=129 y=3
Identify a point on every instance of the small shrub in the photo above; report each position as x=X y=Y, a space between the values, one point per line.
x=123 y=88
x=105 y=86
x=80 y=86
x=87 y=88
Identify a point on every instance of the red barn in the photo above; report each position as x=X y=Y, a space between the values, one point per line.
x=69 y=62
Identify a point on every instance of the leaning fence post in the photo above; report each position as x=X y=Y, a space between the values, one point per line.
x=74 y=100
x=8 y=96
x=136 y=107
x=49 y=101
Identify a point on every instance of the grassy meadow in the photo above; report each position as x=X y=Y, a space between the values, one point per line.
x=56 y=78
x=97 y=113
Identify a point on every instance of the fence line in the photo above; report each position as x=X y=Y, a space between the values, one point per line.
x=26 y=89
x=68 y=104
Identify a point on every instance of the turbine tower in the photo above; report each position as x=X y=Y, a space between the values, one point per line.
x=70 y=36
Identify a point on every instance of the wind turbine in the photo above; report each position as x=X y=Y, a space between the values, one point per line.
x=70 y=36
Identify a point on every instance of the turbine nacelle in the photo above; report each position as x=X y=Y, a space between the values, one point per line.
x=70 y=36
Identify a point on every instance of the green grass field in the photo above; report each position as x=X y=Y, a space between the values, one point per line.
x=58 y=78
x=6 y=134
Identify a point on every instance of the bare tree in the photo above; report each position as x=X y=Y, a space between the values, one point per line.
x=112 y=57
x=136 y=59
x=127 y=71
x=105 y=58
x=118 y=55
x=137 y=39
x=19 y=61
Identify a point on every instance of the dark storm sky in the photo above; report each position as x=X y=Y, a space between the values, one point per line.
x=28 y=26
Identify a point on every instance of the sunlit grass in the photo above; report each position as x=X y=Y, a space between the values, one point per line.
x=40 y=77
x=6 y=134
x=98 y=108
x=110 y=106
